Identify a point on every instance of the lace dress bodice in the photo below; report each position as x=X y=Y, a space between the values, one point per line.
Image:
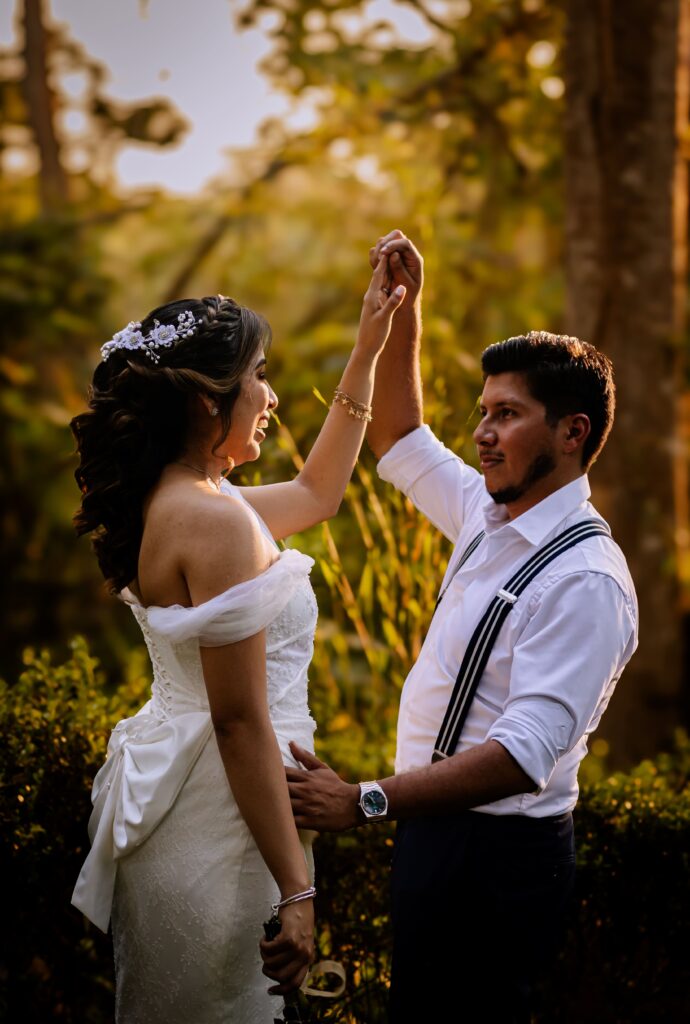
x=178 y=681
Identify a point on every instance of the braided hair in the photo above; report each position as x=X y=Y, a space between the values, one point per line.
x=138 y=416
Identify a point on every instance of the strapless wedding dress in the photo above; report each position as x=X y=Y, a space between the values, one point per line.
x=172 y=862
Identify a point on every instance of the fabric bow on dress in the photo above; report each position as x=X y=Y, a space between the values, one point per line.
x=148 y=762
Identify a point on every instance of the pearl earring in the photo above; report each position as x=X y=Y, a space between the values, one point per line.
x=213 y=410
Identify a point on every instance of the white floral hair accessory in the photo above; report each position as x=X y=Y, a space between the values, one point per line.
x=161 y=336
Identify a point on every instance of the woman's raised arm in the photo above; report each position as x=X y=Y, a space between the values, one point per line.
x=317 y=491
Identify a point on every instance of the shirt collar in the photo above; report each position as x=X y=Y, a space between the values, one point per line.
x=542 y=518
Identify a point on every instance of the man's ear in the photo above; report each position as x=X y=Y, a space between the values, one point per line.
x=577 y=430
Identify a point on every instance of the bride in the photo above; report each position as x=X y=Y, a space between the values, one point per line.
x=193 y=839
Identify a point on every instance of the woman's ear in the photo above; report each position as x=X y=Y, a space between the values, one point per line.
x=209 y=404
x=578 y=429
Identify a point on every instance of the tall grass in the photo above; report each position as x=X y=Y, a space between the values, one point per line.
x=381 y=563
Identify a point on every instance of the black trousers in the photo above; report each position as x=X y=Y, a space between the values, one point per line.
x=478 y=906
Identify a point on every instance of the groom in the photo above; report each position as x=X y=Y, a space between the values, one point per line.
x=486 y=782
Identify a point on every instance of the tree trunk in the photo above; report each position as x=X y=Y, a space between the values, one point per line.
x=40 y=101
x=626 y=70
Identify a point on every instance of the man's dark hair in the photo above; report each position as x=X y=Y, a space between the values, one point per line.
x=566 y=375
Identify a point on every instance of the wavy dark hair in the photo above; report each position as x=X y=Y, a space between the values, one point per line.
x=138 y=417
x=566 y=375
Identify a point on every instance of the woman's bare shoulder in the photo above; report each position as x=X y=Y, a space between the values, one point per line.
x=216 y=538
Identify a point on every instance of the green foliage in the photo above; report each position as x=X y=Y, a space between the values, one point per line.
x=51 y=297
x=625 y=957
x=61 y=717
x=454 y=141
x=354 y=921
x=54 y=293
x=365 y=649
x=54 y=725
x=625 y=960
x=454 y=132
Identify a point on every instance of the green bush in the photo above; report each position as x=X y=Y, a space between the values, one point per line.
x=54 y=723
x=625 y=957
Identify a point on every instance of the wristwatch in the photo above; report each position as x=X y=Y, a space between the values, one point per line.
x=373 y=801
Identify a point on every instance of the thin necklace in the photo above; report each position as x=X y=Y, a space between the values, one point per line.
x=188 y=465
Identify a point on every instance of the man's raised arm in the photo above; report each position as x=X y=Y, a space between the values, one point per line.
x=397 y=402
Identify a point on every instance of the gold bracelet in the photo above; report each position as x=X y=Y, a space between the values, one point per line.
x=356 y=409
x=345 y=399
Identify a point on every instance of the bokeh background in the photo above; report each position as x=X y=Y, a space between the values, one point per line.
x=537 y=153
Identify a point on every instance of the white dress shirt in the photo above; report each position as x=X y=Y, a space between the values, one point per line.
x=559 y=653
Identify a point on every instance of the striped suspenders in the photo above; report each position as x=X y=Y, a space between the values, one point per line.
x=484 y=636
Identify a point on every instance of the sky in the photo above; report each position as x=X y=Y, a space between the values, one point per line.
x=198 y=60
x=191 y=53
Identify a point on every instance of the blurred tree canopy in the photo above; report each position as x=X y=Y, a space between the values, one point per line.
x=57 y=207
x=454 y=136
x=488 y=79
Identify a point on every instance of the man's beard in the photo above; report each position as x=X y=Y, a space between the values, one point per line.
x=542 y=465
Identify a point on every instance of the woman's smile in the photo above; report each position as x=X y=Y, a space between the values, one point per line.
x=262 y=426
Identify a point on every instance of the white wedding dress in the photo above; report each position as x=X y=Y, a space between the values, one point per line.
x=172 y=859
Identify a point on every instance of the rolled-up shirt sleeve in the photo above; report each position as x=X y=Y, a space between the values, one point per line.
x=444 y=488
x=565 y=666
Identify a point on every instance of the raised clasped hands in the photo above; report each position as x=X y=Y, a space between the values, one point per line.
x=404 y=263
x=287 y=957
x=320 y=799
x=378 y=308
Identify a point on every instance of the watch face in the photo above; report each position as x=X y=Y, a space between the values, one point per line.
x=374 y=802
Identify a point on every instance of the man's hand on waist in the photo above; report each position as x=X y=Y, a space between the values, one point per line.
x=321 y=799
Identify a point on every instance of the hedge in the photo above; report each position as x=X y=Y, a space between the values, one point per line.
x=625 y=957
